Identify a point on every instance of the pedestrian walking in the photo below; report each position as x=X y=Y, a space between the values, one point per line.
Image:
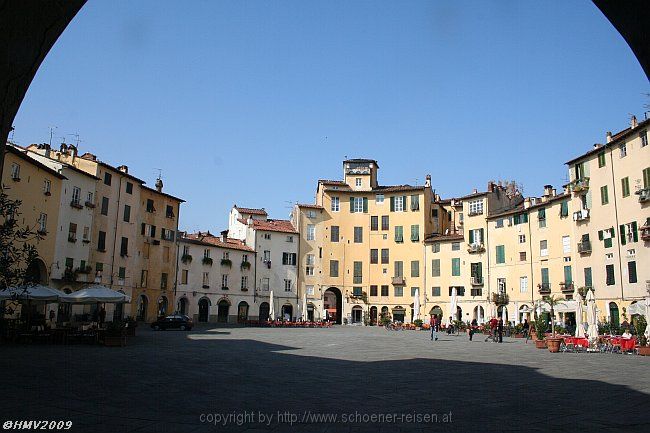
x=500 y=330
x=493 y=329
x=433 y=322
x=472 y=329
x=102 y=316
x=526 y=328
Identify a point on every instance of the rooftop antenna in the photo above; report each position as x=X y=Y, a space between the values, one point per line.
x=52 y=128
x=77 y=140
x=159 y=173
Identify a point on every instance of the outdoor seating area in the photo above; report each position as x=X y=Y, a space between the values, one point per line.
x=287 y=324
x=603 y=344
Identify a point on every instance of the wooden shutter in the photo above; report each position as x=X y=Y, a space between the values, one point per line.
x=365 y=205
x=622 y=229
x=142 y=228
x=635 y=232
x=351 y=204
x=482 y=235
x=471 y=237
x=404 y=208
x=392 y=204
x=600 y=235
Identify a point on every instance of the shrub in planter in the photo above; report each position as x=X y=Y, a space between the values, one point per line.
x=417 y=323
x=385 y=320
x=207 y=261
x=186 y=258
x=226 y=262
x=115 y=334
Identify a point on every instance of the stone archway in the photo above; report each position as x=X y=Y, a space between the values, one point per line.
x=264 y=312
x=182 y=305
x=204 y=310
x=333 y=304
x=242 y=312
x=36 y=272
x=223 y=309
x=143 y=304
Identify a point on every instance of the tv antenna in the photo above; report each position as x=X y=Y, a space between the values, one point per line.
x=159 y=172
x=52 y=128
x=77 y=140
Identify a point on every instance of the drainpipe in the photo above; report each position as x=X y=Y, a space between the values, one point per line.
x=616 y=229
x=532 y=272
x=117 y=219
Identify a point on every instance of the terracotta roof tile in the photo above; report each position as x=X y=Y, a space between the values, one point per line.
x=210 y=239
x=397 y=188
x=270 y=225
x=250 y=210
x=310 y=206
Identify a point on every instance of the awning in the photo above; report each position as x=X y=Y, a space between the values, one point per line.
x=32 y=293
x=95 y=294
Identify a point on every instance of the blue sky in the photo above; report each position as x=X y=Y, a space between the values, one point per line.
x=250 y=102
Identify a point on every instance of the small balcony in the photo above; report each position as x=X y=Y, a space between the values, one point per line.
x=477 y=281
x=398 y=281
x=580 y=186
x=581 y=215
x=474 y=213
x=544 y=288
x=644 y=195
x=475 y=248
x=645 y=232
x=207 y=261
x=500 y=298
x=89 y=204
x=584 y=247
x=566 y=287
x=76 y=204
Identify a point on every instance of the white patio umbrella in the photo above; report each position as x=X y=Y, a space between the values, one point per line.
x=271 y=306
x=416 y=305
x=636 y=308
x=303 y=313
x=592 y=318
x=32 y=293
x=453 y=308
x=94 y=294
x=647 y=316
x=580 y=329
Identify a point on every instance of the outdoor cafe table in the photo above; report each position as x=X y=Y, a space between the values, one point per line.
x=577 y=341
x=625 y=343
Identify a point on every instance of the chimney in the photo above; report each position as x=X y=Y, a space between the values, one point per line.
x=633 y=122
x=597 y=145
x=490 y=186
x=159 y=185
x=527 y=203
x=427 y=181
x=474 y=191
x=609 y=136
x=224 y=236
x=548 y=190
x=249 y=221
x=123 y=169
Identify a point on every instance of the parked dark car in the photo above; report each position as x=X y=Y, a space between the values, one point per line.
x=175 y=321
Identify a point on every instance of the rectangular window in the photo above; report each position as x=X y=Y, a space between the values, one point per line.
x=646 y=178
x=334 y=268
x=374 y=223
x=90 y=198
x=455 y=267
x=336 y=204
x=399 y=205
x=358 y=273
x=129 y=188
x=169 y=211
x=566 y=244
x=101 y=241
x=415 y=233
x=543 y=248
x=311 y=232
x=76 y=196
x=643 y=135
x=104 y=209
x=435 y=267
x=358 y=235
x=601 y=159
x=42 y=223
x=415 y=268
x=121 y=273
x=379 y=199
x=287 y=285
x=384 y=222
x=631 y=271
x=623 y=150
x=244 y=282
x=15 y=171
x=72 y=232
x=435 y=291
x=522 y=239
x=455 y=246
x=523 y=284
x=625 y=186
x=124 y=247
x=373 y=290
x=475 y=207
x=499 y=223
x=107 y=178
x=127 y=213
x=334 y=233
x=224 y=281
x=564 y=209
x=568 y=277
x=414 y=291
x=399 y=291
x=399 y=269
x=357 y=291
x=206 y=279
x=184 y=276
x=289 y=259
x=435 y=247
x=384 y=256
x=384 y=290
x=588 y=280
x=545 y=276
x=310 y=290
x=358 y=204
x=374 y=256
x=522 y=256
x=415 y=203
x=609 y=270
x=309 y=269
x=604 y=197
x=399 y=234
x=47 y=187
x=501 y=254
x=150 y=208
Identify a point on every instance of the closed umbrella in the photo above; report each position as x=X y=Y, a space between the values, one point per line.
x=647 y=317
x=580 y=329
x=453 y=304
x=271 y=307
x=592 y=318
x=416 y=305
x=304 y=307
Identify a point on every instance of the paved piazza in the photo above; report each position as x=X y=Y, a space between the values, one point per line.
x=172 y=381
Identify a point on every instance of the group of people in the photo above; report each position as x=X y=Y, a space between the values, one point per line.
x=496 y=328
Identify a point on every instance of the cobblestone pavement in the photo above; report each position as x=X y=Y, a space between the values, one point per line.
x=173 y=381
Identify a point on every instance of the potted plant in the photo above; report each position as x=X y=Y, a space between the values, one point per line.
x=245 y=265
x=385 y=320
x=540 y=332
x=519 y=331
x=418 y=324
x=226 y=262
x=641 y=324
x=207 y=261
x=115 y=335
x=553 y=342
x=129 y=326
x=186 y=258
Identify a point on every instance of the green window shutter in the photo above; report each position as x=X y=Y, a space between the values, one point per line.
x=479 y=270
x=588 y=280
x=600 y=235
x=625 y=186
x=608 y=243
x=405 y=207
x=471 y=237
x=646 y=178
x=351 y=204
x=564 y=209
x=622 y=229
x=365 y=205
x=516 y=219
x=482 y=235
x=541 y=214
x=392 y=204
x=612 y=231
x=635 y=232
x=142 y=229
x=545 y=276
x=567 y=274
x=525 y=218
x=455 y=267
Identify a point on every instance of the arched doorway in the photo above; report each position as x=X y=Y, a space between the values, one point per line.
x=479 y=314
x=287 y=312
x=223 y=307
x=264 y=312
x=182 y=305
x=242 y=312
x=373 y=315
x=163 y=304
x=502 y=312
x=399 y=313
x=143 y=303
x=204 y=309
x=36 y=272
x=333 y=303
x=613 y=315
x=459 y=313
x=357 y=314
x=524 y=313
x=436 y=311
x=310 y=312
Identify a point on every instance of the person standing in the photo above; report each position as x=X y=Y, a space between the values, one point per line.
x=472 y=329
x=500 y=330
x=102 y=316
x=526 y=328
x=433 y=322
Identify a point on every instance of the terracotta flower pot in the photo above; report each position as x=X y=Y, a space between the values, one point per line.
x=553 y=344
x=644 y=350
x=540 y=344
